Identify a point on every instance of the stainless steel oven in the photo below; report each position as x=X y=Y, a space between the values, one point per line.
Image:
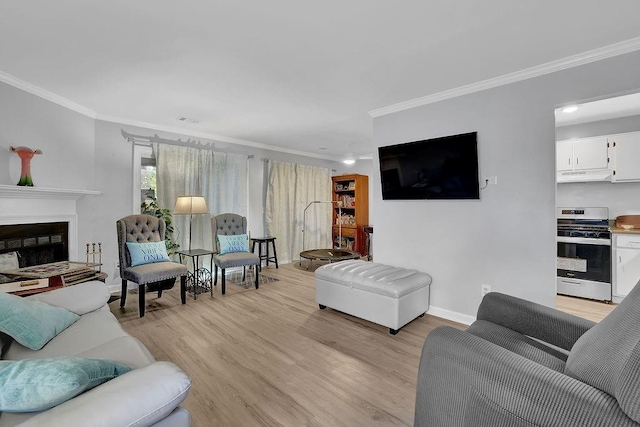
x=584 y=253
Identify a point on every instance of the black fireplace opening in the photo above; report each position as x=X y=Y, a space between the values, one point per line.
x=39 y=243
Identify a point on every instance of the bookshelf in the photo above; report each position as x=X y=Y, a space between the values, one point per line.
x=352 y=191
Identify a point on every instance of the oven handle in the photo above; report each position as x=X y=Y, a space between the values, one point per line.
x=583 y=240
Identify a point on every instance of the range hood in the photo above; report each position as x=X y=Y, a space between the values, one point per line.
x=595 y=175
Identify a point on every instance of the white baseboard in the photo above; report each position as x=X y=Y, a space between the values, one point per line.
x=454 y=316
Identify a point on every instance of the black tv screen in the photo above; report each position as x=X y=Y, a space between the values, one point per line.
x=439 y=168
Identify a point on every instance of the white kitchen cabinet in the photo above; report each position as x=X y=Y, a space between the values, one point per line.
x=564 y=156
x=625 y=154
x=626 y=258
x=582 y=154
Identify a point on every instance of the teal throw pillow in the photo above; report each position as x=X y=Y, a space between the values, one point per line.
x=31 y=385
x=234 y=243
x=32 y=323
x=146 y=253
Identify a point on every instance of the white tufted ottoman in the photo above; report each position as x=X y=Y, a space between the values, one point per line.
x=388 y=296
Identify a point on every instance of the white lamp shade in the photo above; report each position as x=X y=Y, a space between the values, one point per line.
x=187 y=205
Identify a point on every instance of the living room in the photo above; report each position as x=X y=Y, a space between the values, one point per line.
x=506 y=239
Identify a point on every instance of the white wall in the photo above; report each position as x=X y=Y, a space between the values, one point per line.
x=507 y=238
x=620 y=198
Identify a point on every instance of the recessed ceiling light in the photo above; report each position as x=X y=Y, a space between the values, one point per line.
x=349 y=160
x=570 y=109
x=188 y=120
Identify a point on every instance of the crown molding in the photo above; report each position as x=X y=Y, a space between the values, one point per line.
x=66 y=103
x=214 y=137
x=45 y=94
x=594 y=55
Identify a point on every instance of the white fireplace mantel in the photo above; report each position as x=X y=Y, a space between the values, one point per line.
x=30 y=205
x=20 y=192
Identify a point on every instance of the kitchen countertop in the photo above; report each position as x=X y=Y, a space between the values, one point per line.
x=621 y=230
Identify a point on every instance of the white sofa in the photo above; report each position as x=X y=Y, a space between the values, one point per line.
x=151 y=394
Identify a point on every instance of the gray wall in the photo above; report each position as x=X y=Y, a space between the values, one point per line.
x=507 y=238
x=114 y=163
x=83 y=153
x=620 y=198
x=66 y=139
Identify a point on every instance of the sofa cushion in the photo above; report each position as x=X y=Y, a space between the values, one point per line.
x=607 y=356
x=126 y=350
x=36 y=385
x=142 y=397
x=93 y=329
x=519 y=344
x=80 y=299
x=32 y=323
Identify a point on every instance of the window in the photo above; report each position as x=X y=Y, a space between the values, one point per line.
x=144 y=175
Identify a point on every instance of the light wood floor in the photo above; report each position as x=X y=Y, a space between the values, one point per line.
x=589 y=309
x=270 y=357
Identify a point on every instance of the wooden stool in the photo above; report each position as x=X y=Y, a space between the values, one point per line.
x=266 y=241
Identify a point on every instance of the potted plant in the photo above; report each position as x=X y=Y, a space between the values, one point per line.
x=150 y=207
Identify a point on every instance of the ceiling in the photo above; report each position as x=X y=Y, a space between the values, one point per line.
x=604 y=109
x=288 y=73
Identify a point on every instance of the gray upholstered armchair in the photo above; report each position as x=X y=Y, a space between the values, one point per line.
x=231 y=224
x=142 y=229
x=523 y=364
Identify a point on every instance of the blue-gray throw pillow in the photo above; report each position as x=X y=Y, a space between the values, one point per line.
x=32 y=385
x=32 y=323
x=233 y=243
x=147 y=253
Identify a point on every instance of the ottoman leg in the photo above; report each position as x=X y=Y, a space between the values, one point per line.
x=322 y=307
x=393 y=331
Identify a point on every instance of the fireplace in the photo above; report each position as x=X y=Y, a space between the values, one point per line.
x=34 y=206
x=36 y=243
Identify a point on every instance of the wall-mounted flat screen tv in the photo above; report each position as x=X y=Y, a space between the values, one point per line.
x=439 y=168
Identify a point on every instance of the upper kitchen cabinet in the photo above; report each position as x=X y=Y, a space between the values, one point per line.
x=625 y=153
x=582 y=160
x=582 y=154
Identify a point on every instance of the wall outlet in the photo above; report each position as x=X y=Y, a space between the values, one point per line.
x=484 y=289
x=116 y=265
x=491 y=180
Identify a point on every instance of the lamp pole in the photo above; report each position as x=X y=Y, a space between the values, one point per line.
x=304 y=221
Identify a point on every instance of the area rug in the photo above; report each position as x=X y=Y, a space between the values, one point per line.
x=234 y=277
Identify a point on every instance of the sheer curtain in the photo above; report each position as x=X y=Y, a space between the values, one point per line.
x=220 y=177
x=291 y=187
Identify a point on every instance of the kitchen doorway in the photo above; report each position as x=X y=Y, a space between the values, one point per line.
x=593 y=139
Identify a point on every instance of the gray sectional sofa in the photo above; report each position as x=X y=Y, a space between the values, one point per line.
x=524 y=364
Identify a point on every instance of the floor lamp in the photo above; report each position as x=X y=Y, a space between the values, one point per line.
x=304 y=220
x=190 y=205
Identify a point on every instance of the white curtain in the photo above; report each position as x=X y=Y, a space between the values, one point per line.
x=291 y=187
x=220 y=177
